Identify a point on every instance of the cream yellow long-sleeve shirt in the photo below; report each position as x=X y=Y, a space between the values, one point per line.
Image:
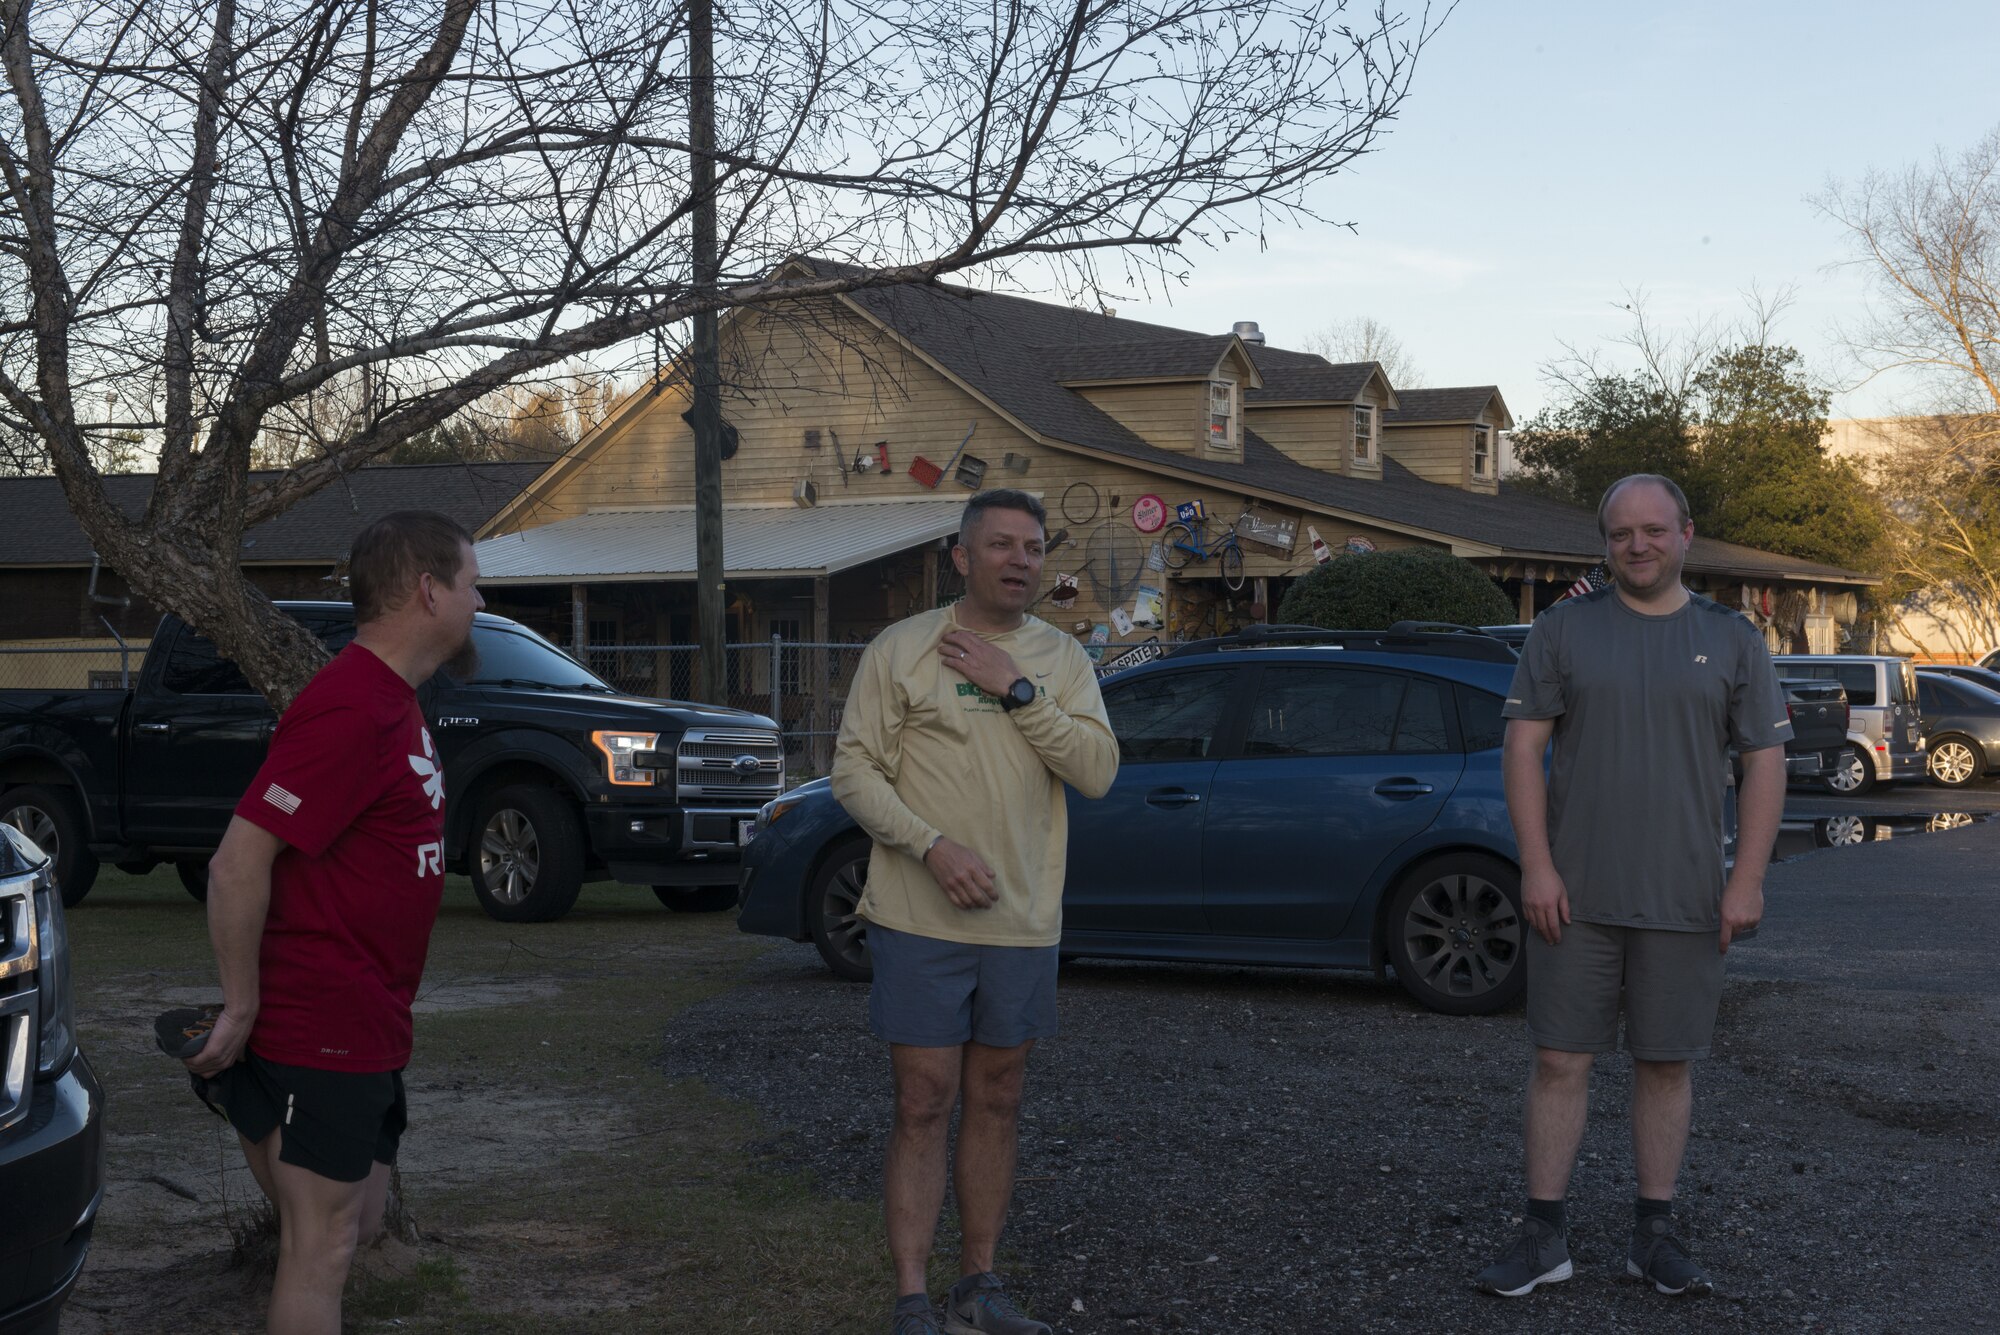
x=924 y=752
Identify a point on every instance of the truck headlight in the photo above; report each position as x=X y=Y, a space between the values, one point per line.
x=57 y=1043
x=620 y=751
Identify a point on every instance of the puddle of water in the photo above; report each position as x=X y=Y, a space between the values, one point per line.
x=1796 y=838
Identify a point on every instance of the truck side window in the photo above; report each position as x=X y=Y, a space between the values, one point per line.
x=194 y=668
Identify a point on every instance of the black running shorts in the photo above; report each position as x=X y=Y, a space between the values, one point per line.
x=339 y=1124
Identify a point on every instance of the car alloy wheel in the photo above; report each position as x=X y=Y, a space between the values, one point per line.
x=36 y=824
x=832 y=901
x=1952 y=763
x=1455 y=934
x=510 y=856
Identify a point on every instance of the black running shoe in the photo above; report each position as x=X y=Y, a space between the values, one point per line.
x=1539 y=1255
x=1658 y=1257
x=181 y=1031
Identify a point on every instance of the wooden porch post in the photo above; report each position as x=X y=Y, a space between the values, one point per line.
x=817 y=661
x=579 y=618
x=929 y=601
x=1526 y=610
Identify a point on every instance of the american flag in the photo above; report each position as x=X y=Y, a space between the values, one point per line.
x=1597 y=577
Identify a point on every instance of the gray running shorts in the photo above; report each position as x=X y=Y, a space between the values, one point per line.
x=1671 y=982
x=942 y=994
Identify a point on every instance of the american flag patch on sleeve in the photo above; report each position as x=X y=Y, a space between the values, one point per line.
x=282 y=800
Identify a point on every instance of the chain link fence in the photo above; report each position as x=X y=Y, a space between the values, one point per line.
x=69 y=666
x=800 y=684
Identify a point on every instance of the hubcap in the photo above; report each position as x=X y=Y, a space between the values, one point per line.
x=847 y=930
x=1848 y=776
x=1462 y=935
x=510 y=856
x=35 y=823
x=1952 y=763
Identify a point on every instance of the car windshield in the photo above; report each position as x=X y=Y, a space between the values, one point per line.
x=516 y=656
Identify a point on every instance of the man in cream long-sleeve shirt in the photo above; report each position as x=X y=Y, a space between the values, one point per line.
x=961 y=729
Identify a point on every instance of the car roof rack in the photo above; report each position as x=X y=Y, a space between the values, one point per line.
x=1443 y=638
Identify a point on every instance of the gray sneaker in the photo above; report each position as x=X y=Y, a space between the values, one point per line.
x=1658 y=1257
x=913 y=1316
x=1539 y=1255
x=979 y=1305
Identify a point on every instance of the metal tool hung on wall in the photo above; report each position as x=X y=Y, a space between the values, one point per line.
x=971 y=471
x=928 y=474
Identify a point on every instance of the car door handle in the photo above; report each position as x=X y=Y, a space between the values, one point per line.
x=1403 y=788
x=1171 y=797
x=151 y=727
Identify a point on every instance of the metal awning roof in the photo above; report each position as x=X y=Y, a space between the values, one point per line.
x=758 y=542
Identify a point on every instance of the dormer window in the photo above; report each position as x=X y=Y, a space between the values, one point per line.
x=1482 y=451
x=1364 y=433
x=1221 y=414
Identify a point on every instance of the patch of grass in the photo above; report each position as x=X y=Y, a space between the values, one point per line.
x=431 y=1288
x=561 y=1180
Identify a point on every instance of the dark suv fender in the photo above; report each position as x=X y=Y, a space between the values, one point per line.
x=43 y=755
x=506 y=757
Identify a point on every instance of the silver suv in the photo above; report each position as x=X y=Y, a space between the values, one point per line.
x=1885 y=730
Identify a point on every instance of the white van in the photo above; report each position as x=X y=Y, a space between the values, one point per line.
x=1885 y=730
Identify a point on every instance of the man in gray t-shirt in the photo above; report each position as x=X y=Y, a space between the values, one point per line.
x=1643 y=688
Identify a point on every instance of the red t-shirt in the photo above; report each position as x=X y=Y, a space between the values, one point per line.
x=354 y=787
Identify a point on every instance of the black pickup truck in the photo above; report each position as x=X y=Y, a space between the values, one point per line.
x=1818 y=710
x=552 y=777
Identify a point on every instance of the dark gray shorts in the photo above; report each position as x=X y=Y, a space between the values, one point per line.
x=1671 y=982
x=942 y=994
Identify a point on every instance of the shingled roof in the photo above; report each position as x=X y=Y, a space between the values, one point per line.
x=1187 y=357
x=998 y=345
x=1460 y=403
x=37 y=528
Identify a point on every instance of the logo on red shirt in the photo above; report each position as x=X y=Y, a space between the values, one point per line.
x=429 y=771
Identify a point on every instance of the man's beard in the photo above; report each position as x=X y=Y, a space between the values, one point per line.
x=464 y=664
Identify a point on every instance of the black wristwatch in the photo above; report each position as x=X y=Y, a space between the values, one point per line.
x=1022 y=692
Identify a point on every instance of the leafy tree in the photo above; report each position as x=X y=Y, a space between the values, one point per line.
x=1374 y=590
x=1767 y=480
x=1605 y=427
x=1744 y=438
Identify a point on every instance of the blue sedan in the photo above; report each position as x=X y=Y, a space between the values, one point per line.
x=1330 y=800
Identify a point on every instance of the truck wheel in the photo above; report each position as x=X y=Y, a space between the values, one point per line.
x=1456 y=935
x=529 y=863
x=841 y=936
x=194 y=877
x=52 y=818
x=697 y=898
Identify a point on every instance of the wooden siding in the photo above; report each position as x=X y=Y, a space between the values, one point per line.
x=1435 y=453
x=1319 y=437
x=1172 y=416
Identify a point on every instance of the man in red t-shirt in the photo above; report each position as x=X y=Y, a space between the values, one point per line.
x=321 y=901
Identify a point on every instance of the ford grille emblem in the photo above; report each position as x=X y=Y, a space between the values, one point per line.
x=746 y=765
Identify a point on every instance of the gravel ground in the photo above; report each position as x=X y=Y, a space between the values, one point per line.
x=1213 y=1149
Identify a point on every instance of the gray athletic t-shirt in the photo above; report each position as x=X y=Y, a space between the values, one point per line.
x=1646 y=708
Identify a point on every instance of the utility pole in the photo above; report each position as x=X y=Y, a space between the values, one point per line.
x=707 y=357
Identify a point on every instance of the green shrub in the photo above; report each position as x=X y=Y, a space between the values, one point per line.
x=1374 y=590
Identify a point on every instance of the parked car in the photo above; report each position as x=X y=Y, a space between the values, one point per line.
x=1962 y=719
x=1991 y=660
x=51 y=1106
x=1819 y=714
x=1883 y=714
x=1979 y=676
x=552 y=777
x=1297 y=798
x=1516 y=635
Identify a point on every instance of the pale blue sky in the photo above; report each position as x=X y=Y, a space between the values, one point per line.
x=1553 y=154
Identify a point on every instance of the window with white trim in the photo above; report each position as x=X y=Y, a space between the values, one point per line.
x=1364 y=433
x=1482 y=451
x=1222 y=414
